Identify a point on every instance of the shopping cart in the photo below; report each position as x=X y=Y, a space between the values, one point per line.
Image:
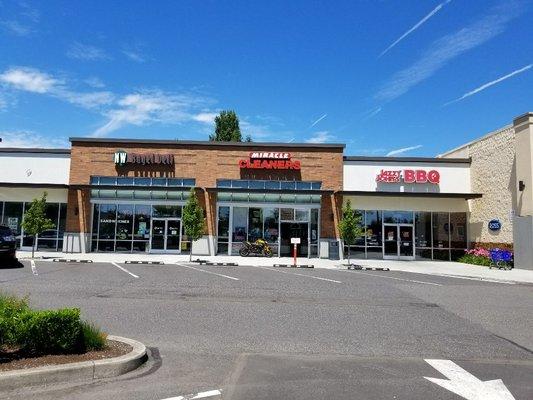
x=501 y=259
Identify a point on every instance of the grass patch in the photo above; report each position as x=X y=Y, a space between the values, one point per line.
x=94 y=338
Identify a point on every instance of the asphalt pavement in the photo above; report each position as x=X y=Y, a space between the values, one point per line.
x=257 y=332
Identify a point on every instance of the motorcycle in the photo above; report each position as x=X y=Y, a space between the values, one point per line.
x=260 y=246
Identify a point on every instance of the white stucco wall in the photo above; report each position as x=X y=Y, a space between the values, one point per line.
x=361 y=176
x=492 y=174
x=34 y=168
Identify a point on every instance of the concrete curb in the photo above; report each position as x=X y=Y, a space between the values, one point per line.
x=293 y=266
x=85 y=370
x=361 y=268
x=65 y=260
x=145 y=262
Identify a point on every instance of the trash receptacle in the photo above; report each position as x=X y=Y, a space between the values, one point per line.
x=333 y=250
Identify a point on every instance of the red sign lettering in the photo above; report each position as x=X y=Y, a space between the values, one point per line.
x=409 y=176
x=270 y=160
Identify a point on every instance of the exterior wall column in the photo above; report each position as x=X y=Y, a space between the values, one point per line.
x=523 y=220
x=78 y=228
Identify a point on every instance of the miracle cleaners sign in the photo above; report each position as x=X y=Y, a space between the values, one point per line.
x=269 y=160
x=409 y=176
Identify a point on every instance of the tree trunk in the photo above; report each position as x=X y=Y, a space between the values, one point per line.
x=33 y=246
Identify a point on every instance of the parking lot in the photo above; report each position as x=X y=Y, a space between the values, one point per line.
x=258 y=332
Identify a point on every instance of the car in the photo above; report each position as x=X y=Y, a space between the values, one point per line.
x=8 y=243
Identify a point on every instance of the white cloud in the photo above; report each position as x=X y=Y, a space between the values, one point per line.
x=445 y=49
x=140 y=108
x=29 y=79
x=15 y=27
x=24 y=138
x=85 y=52
x=320 y=137
x=94 y=82
x=416 y=26
x=205 y=117
x=149 y=107
x=402 y=150
x=318 y=120
x=136 y=56
x=491 y=83
x=372 y=113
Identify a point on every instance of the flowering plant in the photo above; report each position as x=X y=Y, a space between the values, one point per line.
x=479 y=252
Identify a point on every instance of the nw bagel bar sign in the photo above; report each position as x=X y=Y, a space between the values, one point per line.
x=409 y=176
x=122 y=158
x=269 y=160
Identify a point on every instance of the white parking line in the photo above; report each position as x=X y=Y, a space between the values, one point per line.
x=33 y=268
x=124 y=269
x=295 y=273
x=209 y=272
x=391 y=277
x=201 y=395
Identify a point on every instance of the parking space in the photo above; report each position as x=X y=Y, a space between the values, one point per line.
x=293 y=333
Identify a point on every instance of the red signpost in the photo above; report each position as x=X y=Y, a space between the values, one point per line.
x=295 y=242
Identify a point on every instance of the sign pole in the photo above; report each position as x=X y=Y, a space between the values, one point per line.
x=295 y=242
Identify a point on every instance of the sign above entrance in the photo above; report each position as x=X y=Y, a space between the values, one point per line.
x=409 y=176
x=122 y=158
x=269 y=160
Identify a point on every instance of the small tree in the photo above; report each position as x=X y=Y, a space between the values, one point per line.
x=350 y=226
x=35 y=222
x=226 y=127
x=193 y=219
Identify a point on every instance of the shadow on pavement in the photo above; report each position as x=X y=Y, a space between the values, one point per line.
x=10 y=263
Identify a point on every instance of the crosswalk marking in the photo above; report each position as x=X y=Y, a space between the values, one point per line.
x=201 y=395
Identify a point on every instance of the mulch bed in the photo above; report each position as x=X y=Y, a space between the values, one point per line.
x=12 y=360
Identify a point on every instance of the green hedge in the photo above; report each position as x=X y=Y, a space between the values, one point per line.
x=46 y=332
x=50 y=332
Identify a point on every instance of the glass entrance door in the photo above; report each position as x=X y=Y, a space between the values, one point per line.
x=294 y=230
x=398 y=242
x=166 y=235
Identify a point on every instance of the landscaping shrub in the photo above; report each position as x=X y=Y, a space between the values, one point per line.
x=50 y=332
x=36 y=333
x=93 y=338
x=10 y=308
x=477 y=256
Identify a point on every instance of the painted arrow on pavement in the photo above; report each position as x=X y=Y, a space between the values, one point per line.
x=466 y=385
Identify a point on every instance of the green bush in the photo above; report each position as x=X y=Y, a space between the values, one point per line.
x=93 y=338
x=50 y=332
x=10 y=308
x=475 y=260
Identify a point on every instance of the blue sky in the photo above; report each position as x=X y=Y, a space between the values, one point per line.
x=385 y=77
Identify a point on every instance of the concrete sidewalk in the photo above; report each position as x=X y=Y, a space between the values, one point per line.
x=438 y=268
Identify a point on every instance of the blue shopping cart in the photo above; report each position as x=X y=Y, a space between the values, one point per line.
x=501 y=259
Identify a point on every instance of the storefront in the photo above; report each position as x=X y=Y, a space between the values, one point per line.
x=26 y=175
x=128 y=195
x=409 y=208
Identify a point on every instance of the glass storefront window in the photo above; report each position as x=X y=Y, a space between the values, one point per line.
x=240 y=221
x=423 y=229
x=13 y=218
x=441 y=230
x=287 y=214
x=271 y=229
x=373 y=228
x=108 y=219
x=301 y=215
x=458 y=230
x=161 y=211
x=141 y=227
x=255 y=224
x=124 y=227
x=398 y=217
x=314 y=226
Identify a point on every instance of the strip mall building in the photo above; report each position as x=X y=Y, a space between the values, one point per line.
x=121 y=195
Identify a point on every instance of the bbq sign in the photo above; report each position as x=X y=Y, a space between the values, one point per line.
x=269 y=160
x=409 y=176
x=122 y=158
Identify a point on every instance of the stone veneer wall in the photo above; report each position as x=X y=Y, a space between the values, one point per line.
x=492 y=174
